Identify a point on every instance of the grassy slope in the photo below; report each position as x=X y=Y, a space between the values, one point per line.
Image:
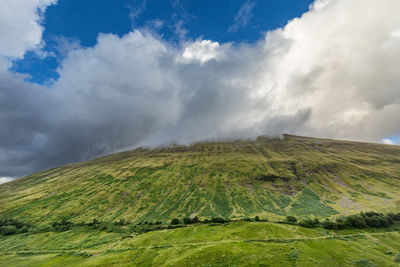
x=235 y=244
x=271 y=178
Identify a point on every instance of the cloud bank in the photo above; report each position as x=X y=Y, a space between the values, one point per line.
x=331 y=73
x=4 y=180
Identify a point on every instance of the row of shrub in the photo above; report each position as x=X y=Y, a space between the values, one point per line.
x=255 y=219
x=65 y=225
x=195 y=219
x=363 y=220
x=358 y=221
x=62 y=225
x=11 y=227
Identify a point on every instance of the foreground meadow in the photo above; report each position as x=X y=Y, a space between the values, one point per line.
x=229 y=244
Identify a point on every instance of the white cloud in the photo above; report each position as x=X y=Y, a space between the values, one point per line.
x=203 y=51
x=388 y=142
x=4 y=180
x=319 y=4
x=243 y=16
x=20 y=28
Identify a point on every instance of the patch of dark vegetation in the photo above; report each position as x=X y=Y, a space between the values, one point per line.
x=62 y=225
x=364 y=263
x=175 y=221
x=125 y=226
x=364 y=220
x=256 y=219
x=291 y=219
x=397 y=257
x=270 y=177
x=310 y=223
x=188 y=220
x=219 y=220
x=12 y=227
x=355 y=221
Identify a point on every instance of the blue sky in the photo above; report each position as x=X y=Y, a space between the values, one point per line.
x=80 y=22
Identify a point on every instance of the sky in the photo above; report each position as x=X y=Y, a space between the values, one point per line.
x=77 y=22
x=81 y=79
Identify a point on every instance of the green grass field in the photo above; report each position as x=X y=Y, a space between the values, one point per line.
x=267 y=177
x=233 y=244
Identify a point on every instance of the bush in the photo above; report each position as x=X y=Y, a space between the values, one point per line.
x=175 y=221
x=257 y=219
x=394 y=217
x=191 y=220
x=195 y=219
x=373 y=222
x=340 y=219
x=397 y=257
x=24 y=229
x=309 y=223
x=8 y=230
x=364 y=263
x=355 y=221
x=12 y=222
x=291 y=219
x=63 y=225
x=218 y=220
x=329 y=225
x=362 y=220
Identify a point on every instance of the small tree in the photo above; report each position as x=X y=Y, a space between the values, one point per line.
x=24 y=229
x=175 y=221
x=257 y=219
x=327 y=224
x=291 y=219
x=355 y=221
x=8 y=230
x=218 y=220
x=195 y=219
x=308 y=223
x=187 y=220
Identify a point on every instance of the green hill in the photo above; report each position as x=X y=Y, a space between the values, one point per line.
x=299 y=176
x=268 y=177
